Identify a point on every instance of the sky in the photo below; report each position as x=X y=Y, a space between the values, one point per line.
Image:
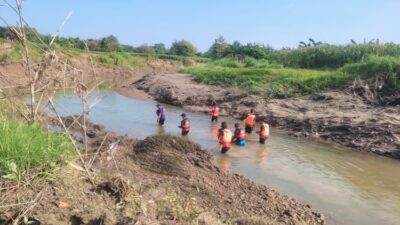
x=278 y=23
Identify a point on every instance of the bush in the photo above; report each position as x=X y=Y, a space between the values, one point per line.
x=26 y=148
x=227 y=62
x=332 y=56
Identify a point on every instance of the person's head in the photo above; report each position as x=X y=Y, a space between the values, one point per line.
x=251 y=110
x=236 y=125
x=224 y=125
x=183 y=115
x=158 y=105
x=214 y=103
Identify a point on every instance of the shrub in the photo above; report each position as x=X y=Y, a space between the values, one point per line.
x=27 y=148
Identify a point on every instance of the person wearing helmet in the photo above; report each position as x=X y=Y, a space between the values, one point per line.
x=161 y=112
x=225 y=137
x=214 y=112
x=185 y=125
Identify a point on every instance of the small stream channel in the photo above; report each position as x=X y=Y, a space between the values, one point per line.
x=347 y=186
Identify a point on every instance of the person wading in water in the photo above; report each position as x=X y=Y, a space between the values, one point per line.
x=264 y=132
x=185 y=125
x=214 y=112
x=238 y=136
x=250 y=122
x=225 y=137
x=160 y=115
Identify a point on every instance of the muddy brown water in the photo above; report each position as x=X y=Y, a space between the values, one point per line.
x=347 y=186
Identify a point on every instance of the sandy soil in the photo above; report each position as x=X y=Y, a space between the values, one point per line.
x=344 y=116
x=160 y=180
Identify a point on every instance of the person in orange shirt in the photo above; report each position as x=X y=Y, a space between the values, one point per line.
x=250 y=122
x=214 y=112
x=225 y=137
x=264 y=132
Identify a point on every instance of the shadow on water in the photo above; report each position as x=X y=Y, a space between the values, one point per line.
x=349 y=187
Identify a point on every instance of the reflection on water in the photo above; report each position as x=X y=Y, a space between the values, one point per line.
x=261 y=154
x=224 y=163
x=349 y=187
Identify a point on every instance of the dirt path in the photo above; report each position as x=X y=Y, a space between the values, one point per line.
x=339 y=116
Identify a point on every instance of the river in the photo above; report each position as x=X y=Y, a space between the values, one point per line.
x=348 y=187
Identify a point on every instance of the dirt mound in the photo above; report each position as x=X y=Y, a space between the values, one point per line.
x=364 y=116
x=163 y=154
x=228 y=195
x=160 y=180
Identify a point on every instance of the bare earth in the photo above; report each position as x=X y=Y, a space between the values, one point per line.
x=341 y=116
x=160 y=180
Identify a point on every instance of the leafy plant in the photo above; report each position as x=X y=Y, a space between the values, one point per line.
x=25 y=148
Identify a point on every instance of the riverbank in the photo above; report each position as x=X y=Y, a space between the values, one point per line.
x=159 y=180
x=179 y=183
x=343 y=116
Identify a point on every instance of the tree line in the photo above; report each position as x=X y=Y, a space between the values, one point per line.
x=309 y=54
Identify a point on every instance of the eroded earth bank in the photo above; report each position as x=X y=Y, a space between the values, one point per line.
x=159 y=180
x=360 y=116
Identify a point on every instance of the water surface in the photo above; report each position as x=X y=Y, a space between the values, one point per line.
x=347 y=186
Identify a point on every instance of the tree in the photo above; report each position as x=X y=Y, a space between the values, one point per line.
x=144 y=48
x=183 y=48
x=109 y=43
x=160 y=48
x=218 y=49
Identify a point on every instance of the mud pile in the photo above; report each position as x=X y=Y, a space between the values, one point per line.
x=362 y=116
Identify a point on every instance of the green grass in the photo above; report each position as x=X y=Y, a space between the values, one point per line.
x=118 y=59
x=272 y=82
x=247 y=62
x=29 y=148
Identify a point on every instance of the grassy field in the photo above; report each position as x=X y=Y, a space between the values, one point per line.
x=276 y=81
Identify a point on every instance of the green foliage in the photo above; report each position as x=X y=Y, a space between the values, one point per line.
x=27 y=148
x=109 y=43
x=332 y=56
x=218 y=49
x=273 y=82
x=227 y=62
x=183 y=48
x=247 y=62
x=118 y=59
x=387 y=66
x=221 y=49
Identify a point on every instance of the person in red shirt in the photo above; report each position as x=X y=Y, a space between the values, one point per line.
x=225 y=137
x=214 y=112
x=185 y=125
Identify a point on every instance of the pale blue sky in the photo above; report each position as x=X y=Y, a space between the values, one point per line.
x=278 y=23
